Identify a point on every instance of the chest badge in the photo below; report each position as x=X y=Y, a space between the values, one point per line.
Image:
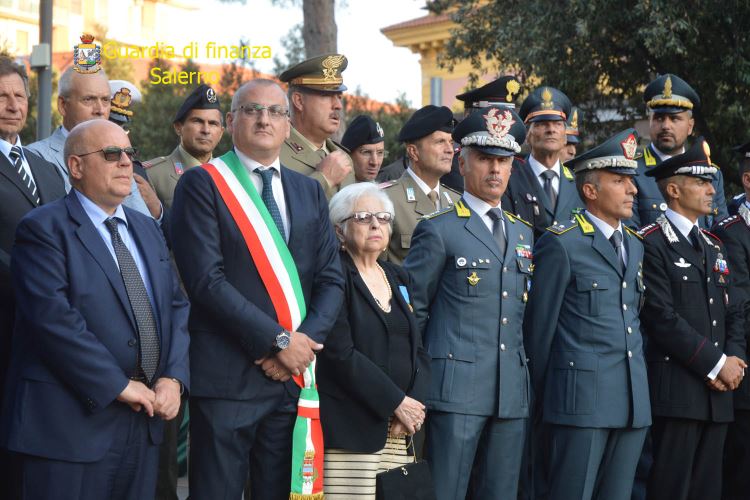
x=178 y=168
x=410 y=194
x=682 y=263
x=473 y=279
x=720 y=266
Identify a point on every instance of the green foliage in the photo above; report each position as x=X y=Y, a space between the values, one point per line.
x=603 y=52
x=294 y=50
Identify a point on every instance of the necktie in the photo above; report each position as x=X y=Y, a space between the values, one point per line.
x=616 y=240
x=697 y=240
x=139 y=302
x=433 y=196
x=26 y=180
x=497 y=228
x=267 y=196
x=548 y=187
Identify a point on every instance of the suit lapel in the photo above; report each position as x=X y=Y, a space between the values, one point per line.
x=400 y=301
x=476 y=226
x=56 y=144
x=566 y=193
x=361 y=287
x=605 y=249
x=40 y=176
x=9 y=171
x=685 y=249
x=292 y=208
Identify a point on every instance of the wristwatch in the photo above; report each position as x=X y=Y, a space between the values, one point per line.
x=281 y=342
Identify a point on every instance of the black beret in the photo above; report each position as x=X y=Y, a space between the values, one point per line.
x=571 y=126
x=362 y=130
x=425 y=121
x=496 y=130
x=670 y=94
x=502 y=91
x=743 y=150
x=203 y=97
x=616 y=154
x=695 y=162
x=321 y=73
x=545 y=104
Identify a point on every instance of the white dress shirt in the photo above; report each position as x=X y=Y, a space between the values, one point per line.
x=276 y=186
x=538 y=169
x=5 y=147
x=424 y=187
x=684 y=225
x=481 y=208
x=664 y=156
x=608 y=231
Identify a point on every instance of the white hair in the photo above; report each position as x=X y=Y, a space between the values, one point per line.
x=342 y=203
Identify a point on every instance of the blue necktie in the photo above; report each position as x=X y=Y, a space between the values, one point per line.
x=267 y=197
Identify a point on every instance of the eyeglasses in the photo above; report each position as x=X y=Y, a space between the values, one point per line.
x=366 y=217
x=369 y=154
x=254 y=110
x=113 y=153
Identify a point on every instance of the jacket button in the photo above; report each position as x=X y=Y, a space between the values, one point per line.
x=666 y=358
x=624 y=307
x=684 y=278
x=450 y=356
x=572 y=364
x=502 y=347
x=630 y=354
x=131 y=342
x=711 y=300
x=716 y=344
x=595 y=284
x=505 y=294
x=505 y=269
x=504 y=321
x=630 y=330
x=713 y=323
x=624 y=284
x=708 y=280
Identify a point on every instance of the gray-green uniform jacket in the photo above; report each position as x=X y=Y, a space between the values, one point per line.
x=165 y=171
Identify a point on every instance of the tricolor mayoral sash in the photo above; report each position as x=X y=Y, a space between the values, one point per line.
x=276 y=267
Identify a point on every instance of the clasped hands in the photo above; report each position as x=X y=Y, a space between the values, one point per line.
x=163 y=401
x=409 y=417
x=730 y=375
x=290 y=361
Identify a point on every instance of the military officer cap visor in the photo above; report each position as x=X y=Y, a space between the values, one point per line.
x=321 y=73
x=695 y=162
x=362 y=130
x=743 y=150
x=425 y=121
x=670 y=94
x=616 y=154
x=545 y=104
x=203 y=97
x=124 y=95
x=502 y=91
x=496 y=131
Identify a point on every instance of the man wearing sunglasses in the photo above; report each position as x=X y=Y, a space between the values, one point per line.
x=315 y=95
x=100 y=352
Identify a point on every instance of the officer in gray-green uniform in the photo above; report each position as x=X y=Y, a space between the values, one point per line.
x=471 y=266
x=418 y=192
x=315 y=105
x=199 y=125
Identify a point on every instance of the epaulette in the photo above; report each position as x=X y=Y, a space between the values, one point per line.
x=562 y=228
x=153 y=162
x=633 y=232
x=646 y=230
x=729 y=221
x=513 y=218
x=387 y=184
x=435 y=214
x=296 y=147
x=712 y=235
x=648 y=157
x=461 y=209
x=567 y=173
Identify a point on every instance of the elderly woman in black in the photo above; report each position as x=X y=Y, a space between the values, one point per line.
x=373 y=371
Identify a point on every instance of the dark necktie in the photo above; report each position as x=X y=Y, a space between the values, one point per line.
x=549 y=188
x=616 y=240
x=139 y=302
x=697 y=240
x=26 y=180
x=267 y=197
x=497 y=228
x=433 y=196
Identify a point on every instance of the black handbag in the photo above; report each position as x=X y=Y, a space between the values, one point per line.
x=411 y=481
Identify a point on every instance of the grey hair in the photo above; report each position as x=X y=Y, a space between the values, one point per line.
x=590 y=176
x=65 y=83
x=258 y=82
x=8 y=67
x=341 y=205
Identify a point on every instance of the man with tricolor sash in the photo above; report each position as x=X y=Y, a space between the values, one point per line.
x=259 y=260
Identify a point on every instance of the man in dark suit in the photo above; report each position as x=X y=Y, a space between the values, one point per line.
x=470 y=264
x=101 y=334
x=695 y=325
x=242 y=405
x=582 y=333
x=542 y=190
x=26 y=181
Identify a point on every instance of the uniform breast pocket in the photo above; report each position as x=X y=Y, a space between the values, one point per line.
x=589 y=291
x=685 y=285
x=472 y=275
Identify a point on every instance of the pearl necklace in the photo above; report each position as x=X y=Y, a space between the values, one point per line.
x=390 y=292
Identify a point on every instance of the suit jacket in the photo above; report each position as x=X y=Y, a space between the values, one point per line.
x=298 y=156
x=16 y=203
x=735 y=233
x=582 y=331
x=469 y=302
x=165 y=171
x=75 y=342
x=410 y=204
x=232 y=319
x=357 y=395
x=649 y=203
x=526 y=198
x=692 y=314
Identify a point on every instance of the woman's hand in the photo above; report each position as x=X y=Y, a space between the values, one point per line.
x=411 y=414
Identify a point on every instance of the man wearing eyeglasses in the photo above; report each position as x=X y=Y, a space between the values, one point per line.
x=364 y=138
x=243 y=351
x=315 y=95
x=100 y=346
x=83 y=97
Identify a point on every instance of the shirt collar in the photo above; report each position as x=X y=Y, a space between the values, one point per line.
x=188 y=160
x=538 y=168
x=95 y=212
x=481 y=207
x=605 y=228
x=682 y=223
x=422 y=185
x=664 y=156
x=251 y=164
x=5 y=146
x=64 y=132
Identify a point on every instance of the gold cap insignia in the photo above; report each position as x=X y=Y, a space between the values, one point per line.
x=547 y=99
x=121 y=101
x=512 y=87
x=331 y=65
x=499 y=123
x=707 y=151
x=574 y=119
x=629 y=146
x=668 y=88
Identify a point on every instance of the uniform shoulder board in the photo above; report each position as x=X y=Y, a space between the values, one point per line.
x=738 y=197
x=513 y=218
x=646 y=230
x=154 y=162
x=712 y=235
x=387 y=184
x=563 y=228
x=296 y=147
x=633 y=232
x=435 y=214
x=448 y=188
x=728 y=221
x=567 y=173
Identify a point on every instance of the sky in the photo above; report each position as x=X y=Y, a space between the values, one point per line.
x=380 y=69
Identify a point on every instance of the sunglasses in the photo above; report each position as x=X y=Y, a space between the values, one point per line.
x=113 y=153
x=366 y=217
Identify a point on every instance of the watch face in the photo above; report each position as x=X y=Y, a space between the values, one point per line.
x=282 y=340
